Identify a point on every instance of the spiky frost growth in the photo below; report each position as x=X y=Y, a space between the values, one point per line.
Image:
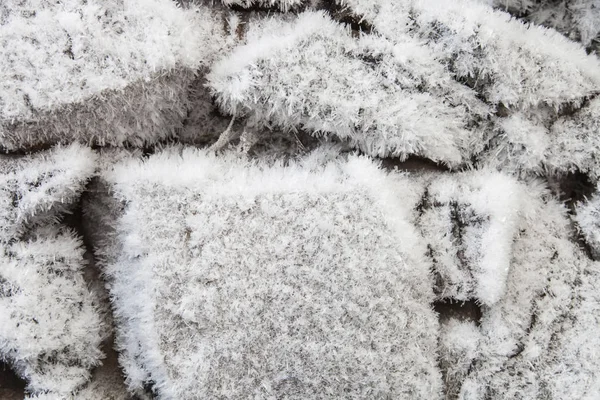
x=34 y=189
x=504 y=60
x=139 y=114
x=529 y=74
x=105 y=384
x=533 y=145
x=575 y=142
x=537 y=342
x=239 y=279
x=586 y=18
x=49 y=326
x=572 y=365
x=469 y=222
x=266 y=5
x=284 y=5
x=577 y=19
x=519 y=146
x=587 y=218
x=387 y=99
x=100 y=208
x=459 y=347
x=110 y=72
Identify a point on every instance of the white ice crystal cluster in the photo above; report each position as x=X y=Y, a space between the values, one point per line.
x=459 y=347
x=35 y=189
x=110 y=72
x=231 y=277
x=577 y=19
x=283 y=5
x=565 y=144
x=575 y=141
x=237 y=279
x=258 y=226
x=469 y=222
x=538 y=341
x=530 y=76
x=454 y=82
x=587 y=218
x=509 y=247
x=50 y=328
x=504 y=60
x=311 y=73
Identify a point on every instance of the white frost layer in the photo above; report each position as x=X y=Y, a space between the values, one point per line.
x=240 y=279
x=577 y=19
x=588 y=220
x=388 y=99
x=459 y=347
x=508 y=62
x=36 y=188
x=529 y=74
x=469 y=222
x=540 y=340
x=71 y=70
x=537 y=143
x=105 y=384
x=284 y=5
x=50 y=328
x=575 y=141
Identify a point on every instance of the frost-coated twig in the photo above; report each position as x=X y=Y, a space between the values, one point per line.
x=225 y=137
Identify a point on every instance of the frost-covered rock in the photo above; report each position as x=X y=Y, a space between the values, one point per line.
x=107 y=383
x=34 y=189
x=587 y=217
x=533 y=145
x=50 y=330
x=50 y=326
x=575 y=141
x=111 y=72
x=459 y=346
x=577 y=19
x=283 y=5
x=469 y=222
x=241 y=279
x=539 y=340
x=388 y=99
x=519 y=146
x=390 y=92
x=241 y=234
x=536 y=144
x=529 y=75
x=504 y=60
